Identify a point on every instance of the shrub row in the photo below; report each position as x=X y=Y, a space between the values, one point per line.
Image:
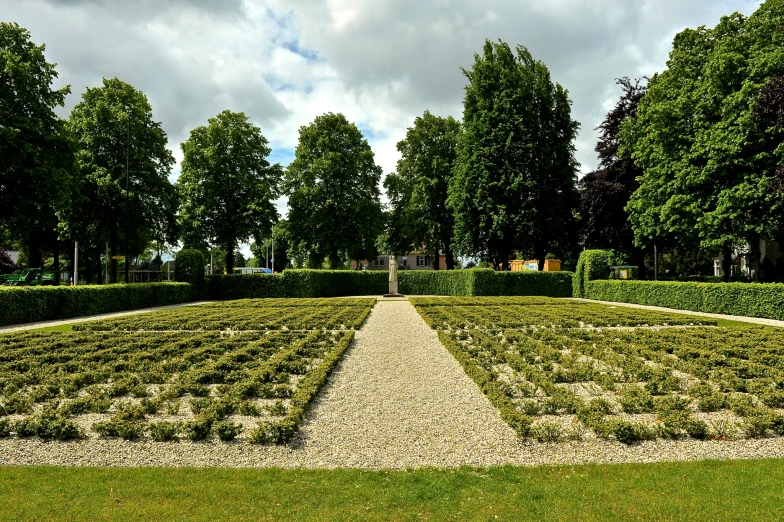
x=744 y=299
x=46 y=303
x=336 y=283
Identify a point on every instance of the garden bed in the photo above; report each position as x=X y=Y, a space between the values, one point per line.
x=247 y=370
x=569 y=372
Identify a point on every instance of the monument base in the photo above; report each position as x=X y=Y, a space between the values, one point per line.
x=393 y=295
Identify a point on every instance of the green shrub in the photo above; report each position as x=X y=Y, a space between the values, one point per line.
x=164 y=431
x=128 y=430
x=591 y=265
x=198 y=428
x=189 y=268
x=46 y=303
x=743 y=299
x=635 y=399
x=547 y=431
x=226 y=431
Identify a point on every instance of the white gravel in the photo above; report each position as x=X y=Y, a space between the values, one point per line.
x=397 y=400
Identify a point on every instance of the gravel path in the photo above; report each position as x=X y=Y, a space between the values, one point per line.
x=397 y=400
x=757 y=320
x=73 y=320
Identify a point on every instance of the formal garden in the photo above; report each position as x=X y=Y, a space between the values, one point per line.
x=502 y=334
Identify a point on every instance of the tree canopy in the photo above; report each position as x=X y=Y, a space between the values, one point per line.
x=418 y=190
x=333 y=190
x=36 y=151
x=710 y=166
x=227 y=185
x=604 y=193
x=115 y=130
x=514 y=186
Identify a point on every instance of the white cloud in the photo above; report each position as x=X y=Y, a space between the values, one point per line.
x=380 y=62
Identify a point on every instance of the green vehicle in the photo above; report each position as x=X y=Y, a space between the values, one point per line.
x=28 y=277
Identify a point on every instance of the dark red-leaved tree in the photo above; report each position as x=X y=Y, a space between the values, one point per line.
x=605 y=192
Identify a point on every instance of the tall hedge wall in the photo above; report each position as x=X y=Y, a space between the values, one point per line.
x=591 y=265
x=189 y=268
x=20 y=305
x=335 y=283
x=744 y=299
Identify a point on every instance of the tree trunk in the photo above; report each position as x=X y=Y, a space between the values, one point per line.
x=639 y=260
x=113 y=253
x=88 y=267
x=436 y=260
x=504 y=261
x=56 y=262
x=98 y=266
x=540 y=251
x=450 y=260
x=726 y=264
x=230 y=259
x=754 y=250
x=333 y=258
x=34 y=249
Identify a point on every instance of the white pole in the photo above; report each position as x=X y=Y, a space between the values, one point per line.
x=76 y=263
x=210 y=262
x=273 y=247
x=266 y=255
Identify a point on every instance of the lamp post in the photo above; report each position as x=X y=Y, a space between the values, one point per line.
x=127 y=201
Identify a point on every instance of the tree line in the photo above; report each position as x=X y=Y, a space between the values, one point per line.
x=690 y=160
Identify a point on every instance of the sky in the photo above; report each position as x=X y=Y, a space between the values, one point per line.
x=379 y=62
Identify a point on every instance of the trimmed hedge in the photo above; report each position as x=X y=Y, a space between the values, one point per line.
x=19 y=305
x=550 y=284
x=189 y=268
x=336 y=283
x=744 y=299
x=242 y=286
x=591 y=265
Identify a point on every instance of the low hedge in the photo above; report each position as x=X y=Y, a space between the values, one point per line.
x=19 y=305
x=242 y=286
x=743 y=299
x=550 y=284
x=336 y=283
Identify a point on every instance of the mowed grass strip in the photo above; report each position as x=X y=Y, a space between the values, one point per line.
x=708 y=490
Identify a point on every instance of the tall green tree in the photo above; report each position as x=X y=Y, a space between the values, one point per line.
x=514 y=186
x=418 y=190
x=227 y=185
x=333 y=190
x=276 y=244
x=605 y=192
x=708 y=164
x=117 y=135
x=37 y=154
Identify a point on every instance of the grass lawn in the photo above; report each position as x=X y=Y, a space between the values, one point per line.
x=709 y=490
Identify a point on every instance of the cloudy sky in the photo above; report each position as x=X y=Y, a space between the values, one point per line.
x=379 y=62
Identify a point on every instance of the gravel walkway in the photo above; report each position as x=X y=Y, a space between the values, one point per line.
x=73 y=320
x=757 y=320
x=397 y=400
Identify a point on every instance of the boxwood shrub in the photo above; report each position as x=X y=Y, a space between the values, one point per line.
x=743 y=299
x=20 y=305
